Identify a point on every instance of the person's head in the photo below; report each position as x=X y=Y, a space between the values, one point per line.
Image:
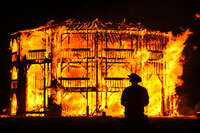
x=134 y=78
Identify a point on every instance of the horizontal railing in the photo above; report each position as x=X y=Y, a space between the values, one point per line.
x=76 y=53
x=113 y=82
x=119 y=53
x=155 y=55
x=36 y=54
x=74 y=82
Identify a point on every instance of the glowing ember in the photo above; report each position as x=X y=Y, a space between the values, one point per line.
x=83 y=67
x=197 y=15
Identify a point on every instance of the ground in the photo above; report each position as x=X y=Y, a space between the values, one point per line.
x=94 y=125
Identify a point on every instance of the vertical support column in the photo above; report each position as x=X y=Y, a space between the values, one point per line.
x=97 y=82
x=138 y=39
x=51 y=56
x=106 y=73
x=141 y=48
x=131 y=51
x=45 y=78
x=61 y=67
x=10 y=66
x=163 y=81
x=87 y=106
x=163 y=94
x=44 y=89
x=21 y=82
x=137 y=47
x=21 y=87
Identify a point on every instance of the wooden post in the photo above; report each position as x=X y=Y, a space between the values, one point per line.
x=87 y=106
x=97 y=86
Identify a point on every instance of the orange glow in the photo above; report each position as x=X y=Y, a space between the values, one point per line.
x=195 y=47
x=89 y=65
x=35 y=92
x=14 y=73
x=14 y=105
x=197 y=15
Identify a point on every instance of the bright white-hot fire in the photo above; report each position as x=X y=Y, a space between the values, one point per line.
x=84 y=67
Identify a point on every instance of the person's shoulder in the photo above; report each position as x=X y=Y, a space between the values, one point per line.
x=142 y=87
x=128 y=88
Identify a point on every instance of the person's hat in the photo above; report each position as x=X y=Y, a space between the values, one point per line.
x=135 y=77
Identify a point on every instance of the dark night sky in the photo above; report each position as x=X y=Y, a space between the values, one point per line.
x=157 y=15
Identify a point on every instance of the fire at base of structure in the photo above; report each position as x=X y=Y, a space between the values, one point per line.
x=80 y=69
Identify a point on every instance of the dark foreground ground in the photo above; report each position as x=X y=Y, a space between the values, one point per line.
x=96 y=125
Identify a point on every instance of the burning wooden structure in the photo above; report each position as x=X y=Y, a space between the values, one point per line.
x=81 y=69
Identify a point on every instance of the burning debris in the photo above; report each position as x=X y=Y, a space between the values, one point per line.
x=81 y=68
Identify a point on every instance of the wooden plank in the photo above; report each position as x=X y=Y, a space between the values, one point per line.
x=74 y=78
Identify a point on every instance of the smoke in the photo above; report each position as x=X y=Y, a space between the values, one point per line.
x=185 y=108
x=189 y=91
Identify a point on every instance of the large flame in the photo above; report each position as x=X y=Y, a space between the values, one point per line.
x=79 y=60
x=14 y=105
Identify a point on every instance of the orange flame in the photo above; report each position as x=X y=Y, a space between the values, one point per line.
x=79 y=60
x=14 y=105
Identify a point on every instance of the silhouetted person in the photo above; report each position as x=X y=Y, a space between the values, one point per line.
x=134 y=98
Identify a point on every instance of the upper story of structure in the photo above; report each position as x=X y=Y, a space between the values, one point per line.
x=97 y=37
